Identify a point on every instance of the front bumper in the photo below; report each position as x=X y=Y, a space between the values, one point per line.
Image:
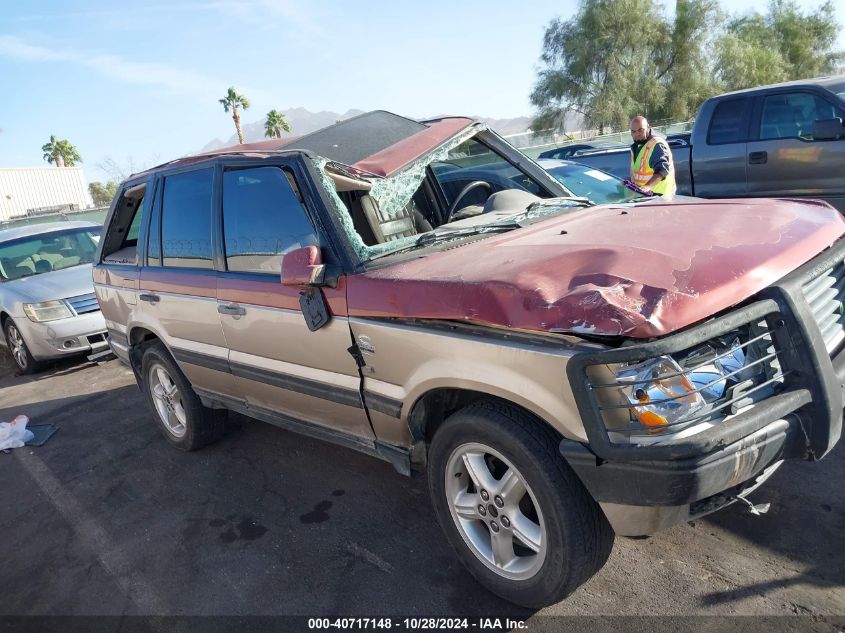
x=64 y=337
x=643 y=488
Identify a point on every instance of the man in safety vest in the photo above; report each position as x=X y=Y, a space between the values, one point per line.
x=651 y=160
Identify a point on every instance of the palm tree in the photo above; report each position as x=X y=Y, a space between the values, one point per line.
x=274 y=124
x=69 y=153
x=233 y=100
x=62 y=153
x=52 y=153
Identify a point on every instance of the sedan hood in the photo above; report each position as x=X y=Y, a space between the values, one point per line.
x=58 y=284
x=637 y=271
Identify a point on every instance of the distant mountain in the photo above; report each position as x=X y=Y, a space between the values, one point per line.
x=303 y=121
x=300 y=120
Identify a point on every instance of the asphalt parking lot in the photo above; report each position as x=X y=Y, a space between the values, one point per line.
x=107 y=519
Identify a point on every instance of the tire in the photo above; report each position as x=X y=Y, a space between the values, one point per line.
x=539 y=540
x=18 y=349
x=181 y=417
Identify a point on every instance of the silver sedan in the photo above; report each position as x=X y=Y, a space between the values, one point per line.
x=47 y=303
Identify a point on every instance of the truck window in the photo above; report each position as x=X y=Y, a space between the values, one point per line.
x=729 y=122
x=263 y=218
x=791 y=115
x=186 y=220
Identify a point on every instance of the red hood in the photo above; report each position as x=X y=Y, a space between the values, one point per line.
x=639 y=271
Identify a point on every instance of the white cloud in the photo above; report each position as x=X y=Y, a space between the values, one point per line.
x=15 y=48
x=174 y=80
x=266 y=14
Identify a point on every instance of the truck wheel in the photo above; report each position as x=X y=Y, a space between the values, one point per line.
x=515 y=513
x=185 y=422
x=20 y=352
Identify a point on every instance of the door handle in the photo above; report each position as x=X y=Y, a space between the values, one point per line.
x=757 y=158
x=231 y=308
x=149 y=296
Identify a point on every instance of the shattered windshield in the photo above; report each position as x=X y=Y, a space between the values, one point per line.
x=454 y=192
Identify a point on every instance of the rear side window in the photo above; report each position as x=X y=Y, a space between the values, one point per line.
x=121 y=241
x=186 y=220
x=729 y=122
x=263 y=218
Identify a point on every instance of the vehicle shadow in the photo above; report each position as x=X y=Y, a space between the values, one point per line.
x=63 y=366
x=803 y=528
x=264 y=522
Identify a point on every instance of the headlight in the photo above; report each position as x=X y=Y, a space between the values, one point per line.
x=47 y=311
x=662 y=391
x=690 y=390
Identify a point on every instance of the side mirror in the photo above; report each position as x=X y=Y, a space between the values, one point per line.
x=303 y=267
x=828 y=129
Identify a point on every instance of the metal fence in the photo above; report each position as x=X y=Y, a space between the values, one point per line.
x=92 y=215
x=534 y=143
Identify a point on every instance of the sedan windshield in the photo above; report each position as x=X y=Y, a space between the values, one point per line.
x=44 y=253
x=594 y=184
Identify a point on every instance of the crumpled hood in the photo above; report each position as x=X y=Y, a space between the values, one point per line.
x=638 y=271
x=57 y=284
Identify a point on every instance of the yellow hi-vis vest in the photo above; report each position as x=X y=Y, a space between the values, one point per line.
x=641 y=171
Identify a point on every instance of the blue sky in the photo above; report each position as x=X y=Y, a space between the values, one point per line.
x=138 y=82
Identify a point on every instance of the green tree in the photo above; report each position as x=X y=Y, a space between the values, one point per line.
x=687 y=61
x=61 y=153
x=232 y=101
x=101 y=194
x=618 y=58
x=784 y=44
x=69 y=153
x=275 y=124
x=52 y=153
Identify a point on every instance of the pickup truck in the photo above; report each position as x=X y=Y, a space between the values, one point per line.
x=784 y=140
x=422 y=292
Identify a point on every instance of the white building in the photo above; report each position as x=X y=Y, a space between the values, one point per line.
x=30 y=189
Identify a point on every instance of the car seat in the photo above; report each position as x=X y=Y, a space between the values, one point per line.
x=405 y=222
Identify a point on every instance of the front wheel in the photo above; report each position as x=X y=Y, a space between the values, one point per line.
x=182 y=418
x=20 y=352
x=515 y=513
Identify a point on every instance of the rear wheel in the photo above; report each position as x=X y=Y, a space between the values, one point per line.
x=515 y=513
x=182 y=418
x=26 y=364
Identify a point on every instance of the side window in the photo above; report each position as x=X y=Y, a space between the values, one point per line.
x=792 y=115
x=729 y=122
x=186 y=220
x=263 y=218
x=121 y=241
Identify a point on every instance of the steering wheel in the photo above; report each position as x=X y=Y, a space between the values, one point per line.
x=470 y=187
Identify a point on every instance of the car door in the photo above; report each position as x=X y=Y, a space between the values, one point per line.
x=178 y=285
x=786 y=160
x=284 y=370
x=117 y=273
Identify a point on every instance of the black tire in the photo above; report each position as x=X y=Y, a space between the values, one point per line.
x=19 y=351
x=577 y=537
x=199 y=425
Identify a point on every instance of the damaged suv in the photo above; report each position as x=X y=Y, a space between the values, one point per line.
x=421 y=291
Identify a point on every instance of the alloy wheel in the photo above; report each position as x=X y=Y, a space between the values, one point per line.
x=495 y=511
x=167 y=400
x=17 y=347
